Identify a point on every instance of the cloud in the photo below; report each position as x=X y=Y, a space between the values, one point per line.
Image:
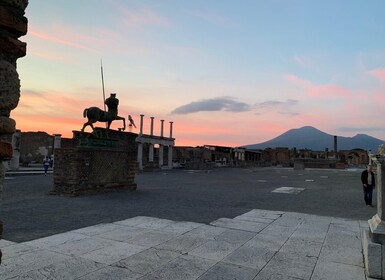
x=57 y=40
x=213 y=18
x=321 y=91
x=282 y=107
x=276 y=103
x=379 y=73
x=214 y=104
x=141 y=17
x=302 y=61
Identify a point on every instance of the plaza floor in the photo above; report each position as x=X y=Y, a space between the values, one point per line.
x=259 y=245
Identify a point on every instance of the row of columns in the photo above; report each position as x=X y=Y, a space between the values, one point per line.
x=152 y=127
x=151 y=140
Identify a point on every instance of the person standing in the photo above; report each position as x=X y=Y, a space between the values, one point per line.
x=46 y=163
x=368 y=184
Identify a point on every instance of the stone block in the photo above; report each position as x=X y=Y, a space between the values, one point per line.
x=239 y=224
x=5 y=150
x=13 y=19
x=372 y=256
x=147 y=261
x=226 y=271
x=340 y=271
x=214 y=250
x=7 y=125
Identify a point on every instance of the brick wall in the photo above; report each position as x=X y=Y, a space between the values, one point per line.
x=83 y=170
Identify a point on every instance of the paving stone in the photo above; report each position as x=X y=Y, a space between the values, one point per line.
x=214 y=250
x=181 y=227
x=184 y=267
x=273 y=215
x=147 y=261
x=227 y=271
x=97 y=229
x=302 y=247
x=337 y=271
x=114 y=253
x=4 y=243
x=273 y=242
x=288 y=221
x=56 y=240
x=254 y=219
x=182 y=244
x=69 y=269
x=83 y=246
x=346 y=255
x=136 y=221
x=150 y=238
x=157 y=224
x=122 y=234
x=277 y=230
x=111 y=273
x=268 y=274
x=238 y=237
x=206 y=231
x=239 y=224
x=35 y=260
x=16 y=250
x=290 y=265
x=249 y=256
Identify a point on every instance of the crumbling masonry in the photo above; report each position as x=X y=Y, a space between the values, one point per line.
x=13 y=24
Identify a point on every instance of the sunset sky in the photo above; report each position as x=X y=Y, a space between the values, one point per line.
x=225 y=72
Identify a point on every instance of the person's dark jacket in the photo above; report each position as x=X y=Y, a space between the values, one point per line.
x=364 y=178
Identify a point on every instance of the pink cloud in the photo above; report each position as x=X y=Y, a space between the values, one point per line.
x=379 y=73
x=57 y=40
x=315 y=90
x=139 y=18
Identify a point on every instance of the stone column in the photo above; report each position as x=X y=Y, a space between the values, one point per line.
x=13 y=24
x=140 y=156
x=152 y=126
x=57 y=141
x=151 y=152
x=171 y=129
x=161 y=128
x=160 y=156
x=141 y=125
x=170 y=157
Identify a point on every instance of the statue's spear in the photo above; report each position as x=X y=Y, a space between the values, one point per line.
x=104 y=94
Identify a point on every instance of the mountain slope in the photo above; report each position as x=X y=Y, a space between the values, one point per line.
x=314 y=139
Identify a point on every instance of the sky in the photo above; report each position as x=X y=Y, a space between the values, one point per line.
x=227 y=73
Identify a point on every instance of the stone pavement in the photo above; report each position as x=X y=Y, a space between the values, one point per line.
x=259 y=245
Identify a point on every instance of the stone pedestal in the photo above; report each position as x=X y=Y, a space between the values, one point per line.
x=96 y=164
x=374 y=238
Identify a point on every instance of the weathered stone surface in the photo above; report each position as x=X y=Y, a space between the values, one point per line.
x=9 y=88
x=12 y=19
x=372 y=256
x=7 y=125
x=5 y=150
x=95 y=165
x=13 y=47
x=20 y=4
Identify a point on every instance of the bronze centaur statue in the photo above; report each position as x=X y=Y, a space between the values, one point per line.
x=95 y=114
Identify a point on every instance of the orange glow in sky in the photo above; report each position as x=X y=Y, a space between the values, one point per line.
x=225 y=74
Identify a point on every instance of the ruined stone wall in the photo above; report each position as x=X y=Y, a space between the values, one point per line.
x=13 y=24
x=96 y=164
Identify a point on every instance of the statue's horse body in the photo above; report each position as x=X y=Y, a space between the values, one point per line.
x=95 y=114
